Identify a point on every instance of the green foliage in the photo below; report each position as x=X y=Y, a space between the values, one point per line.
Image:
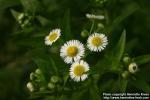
x=26 y=59
x=142 y=59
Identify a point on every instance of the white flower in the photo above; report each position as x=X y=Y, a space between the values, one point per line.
x=30 y=86
x=97 y=42
x=52 y=37
x=92 y=16
x=78 y=71
x=133 y=68
x=72 y=51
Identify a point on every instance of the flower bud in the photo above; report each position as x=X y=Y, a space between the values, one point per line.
x=54 y=79
x=42 y=88
x=126 y=59
x=21 y=16
x=100 y=26
x=133 y=68
x=30 y=86
x=84 y=33
x=38 y=71
x=51 y=85
x=125 y=74
x=32 y=76
x=26 y=22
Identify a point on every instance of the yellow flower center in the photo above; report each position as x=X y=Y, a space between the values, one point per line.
x=53 y=36
x=79 y=70
x=72 y=51
x=96 y=41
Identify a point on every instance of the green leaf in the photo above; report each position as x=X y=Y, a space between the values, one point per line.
x=94 y=95
x=8 y=3
x=66 y=24
x=142 y=59
x=44 y=21
x=131 y=45
x=118 y=51
x=54 y=65
x=127 y=11
x=44 y=62
x=31 y=5
x=141 y=84
x=78 y=95
x=123 y=84
x=112 y=58
x=34 y=42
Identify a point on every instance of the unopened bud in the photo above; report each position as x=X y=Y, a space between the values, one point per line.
x=125 y=74
x=133 y=68
x=21 y=15
x=51 y=85
x=54 y=79
x=42 y=88
x=38 y=71
x=30 y=86
x=84 y=33
x=126 y=59
x=32 y=76
x=100 y=25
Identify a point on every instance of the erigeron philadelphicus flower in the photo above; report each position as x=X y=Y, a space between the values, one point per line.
x=133 y=68
x=53 y=36
x=71 y=51
x=92 y=16
x=97 y=42
x=78 y=71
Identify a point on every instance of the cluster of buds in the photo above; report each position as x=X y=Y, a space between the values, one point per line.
x=130 y=66
x=24 y=20
x=38 y=83
x=54 y=82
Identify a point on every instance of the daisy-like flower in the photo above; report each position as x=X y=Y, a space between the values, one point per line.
x=72 y=51
x=92 y=16
x=97 y=42
x=78 y=70
x=133 y=68
x=53 y=36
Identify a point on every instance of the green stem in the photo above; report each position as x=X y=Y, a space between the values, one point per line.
x=64 y=86
x=93 y=22
x=106 y=16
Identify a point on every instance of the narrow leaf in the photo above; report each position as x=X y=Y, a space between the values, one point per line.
x=130 y=9
x=66 y=24
x=123 y=84
x=141 y=84
x=142 y=59
x=43 y=20
x=118 y=51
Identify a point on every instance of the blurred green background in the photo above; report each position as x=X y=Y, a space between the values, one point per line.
x=17 y=40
